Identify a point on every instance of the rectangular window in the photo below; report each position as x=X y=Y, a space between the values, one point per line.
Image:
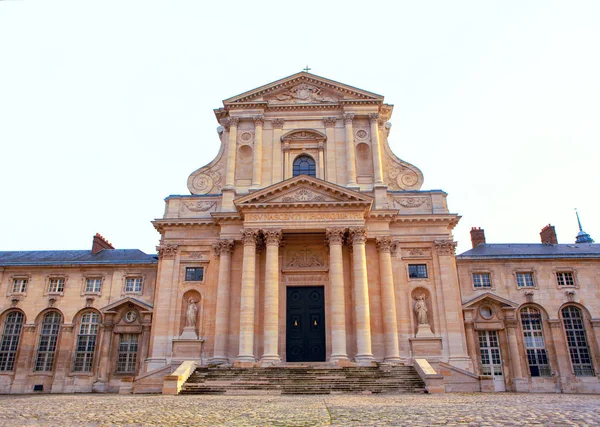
x=133 y=284
x=417 y=271
x=128 y=347
x=56 y=285
x=93 y=285
x=19 y=286
x=47 y=343
x=537 y=358
x=194 y=274
x=565 y=278
x=86 y=342
x=482 y=280
x=10 y=340
x=525 y=280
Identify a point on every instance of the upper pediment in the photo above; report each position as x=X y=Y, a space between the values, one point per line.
x=303 y=89
x=503 y=302
x=304 y=191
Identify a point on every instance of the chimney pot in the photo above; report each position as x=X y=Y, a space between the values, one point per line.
x=477 y=236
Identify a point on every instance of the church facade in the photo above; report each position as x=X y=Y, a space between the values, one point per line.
x=306 y=240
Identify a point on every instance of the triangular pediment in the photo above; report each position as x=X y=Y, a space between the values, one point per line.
x=301 y=89
x=140 y=305
x=304 y=190
x=503 y=302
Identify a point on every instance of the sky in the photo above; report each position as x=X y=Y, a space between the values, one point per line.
x=106 y=107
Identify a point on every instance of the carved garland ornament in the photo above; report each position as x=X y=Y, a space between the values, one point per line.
x=410 y=202
x=201 y=206
x=166 y=251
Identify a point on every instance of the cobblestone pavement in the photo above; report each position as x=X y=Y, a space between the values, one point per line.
x=504 y=409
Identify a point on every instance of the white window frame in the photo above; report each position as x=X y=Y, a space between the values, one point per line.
x=482 y=272
x=522 y=273
x=86 y=343
x=93 y=291
x=127 y=353
x=133 y=276
x=47 y=343
x=11 y=281
x=9 y=341
x=49 y=284
x=534 y=342
x=561 y=271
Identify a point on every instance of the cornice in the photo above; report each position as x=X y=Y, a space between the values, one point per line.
x=161 y=224
x=383 y=214
x=451 y=219
x=287 y=205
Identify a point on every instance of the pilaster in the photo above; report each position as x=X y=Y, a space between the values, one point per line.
x=257 y=153
x=330 y=172
x=350 y=151
x=276 y=170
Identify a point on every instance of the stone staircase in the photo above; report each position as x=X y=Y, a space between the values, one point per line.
x=304 y=380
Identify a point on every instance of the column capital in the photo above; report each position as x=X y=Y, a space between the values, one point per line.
x=445 y=247
x=233 y=121
x=166 y=251
x=249 y=237
x=273 y=236
x=335 y=236
x=329 y=122
x=358 y=235
x=224 y=246
x=384 y=244
x=225 y=123
x=373 y=117
x=277 y=123
x=348 y=117
x=259 y=120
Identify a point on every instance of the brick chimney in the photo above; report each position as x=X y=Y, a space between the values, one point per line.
x=100 y=243
x=548 y=235
x=477 y=236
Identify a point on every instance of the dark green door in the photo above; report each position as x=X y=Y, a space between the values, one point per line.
x=305 y=324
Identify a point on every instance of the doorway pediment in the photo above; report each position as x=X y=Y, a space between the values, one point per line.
x=304 y=191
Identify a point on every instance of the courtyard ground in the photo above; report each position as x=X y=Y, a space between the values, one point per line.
x=505 y=409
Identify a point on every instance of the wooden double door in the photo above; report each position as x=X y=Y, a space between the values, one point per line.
x=305 y=324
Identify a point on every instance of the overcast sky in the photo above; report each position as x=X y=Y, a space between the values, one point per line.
x=106 y=107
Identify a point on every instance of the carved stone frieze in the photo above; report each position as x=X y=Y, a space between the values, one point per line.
x=303 y=94
x=166 y=251
x=272 y=236
x=201 y=206
x=197 y=255
x=415 y=252
x=445 y=247
x=335 y=236
x=358 y=235
x=305 y=195
x=410 y=202
x=304 y=258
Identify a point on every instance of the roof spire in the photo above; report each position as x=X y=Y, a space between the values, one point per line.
x=582 y=236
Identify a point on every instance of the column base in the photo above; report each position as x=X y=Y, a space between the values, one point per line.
x=219 y=360
x=364 y=360
x=244 y=361
x=342 y=361
x=395 y=360
x=266 y=361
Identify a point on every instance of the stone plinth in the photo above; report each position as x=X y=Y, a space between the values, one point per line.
x=426 y=347
x=187 y=348
x=424 y=331
x=189 y=333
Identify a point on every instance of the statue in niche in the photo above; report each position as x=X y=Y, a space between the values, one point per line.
x=191 y=314
x=421 y=310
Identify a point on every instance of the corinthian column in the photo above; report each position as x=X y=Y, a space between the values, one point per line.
x=223 y=249
x=335 y=237
x=246 y=353
x=376 y=145
x=361 y=296
x=348 y=117
x=388 y=300
x=271 y=322
x=257 y=163
x=231 y=152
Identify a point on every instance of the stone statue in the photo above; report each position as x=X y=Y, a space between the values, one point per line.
x=421 y=310
x=192 y=312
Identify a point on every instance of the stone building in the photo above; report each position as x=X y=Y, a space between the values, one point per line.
x=306 y=240
x=532 y=312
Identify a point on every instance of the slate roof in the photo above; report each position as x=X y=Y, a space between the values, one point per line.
x=532 y=251
x=82 y=257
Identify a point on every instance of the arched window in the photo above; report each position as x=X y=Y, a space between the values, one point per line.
x=531 y=321
x=10 y=340
x=48 y=339
x=304 y=165
x=577 y=342
x=86 y=342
